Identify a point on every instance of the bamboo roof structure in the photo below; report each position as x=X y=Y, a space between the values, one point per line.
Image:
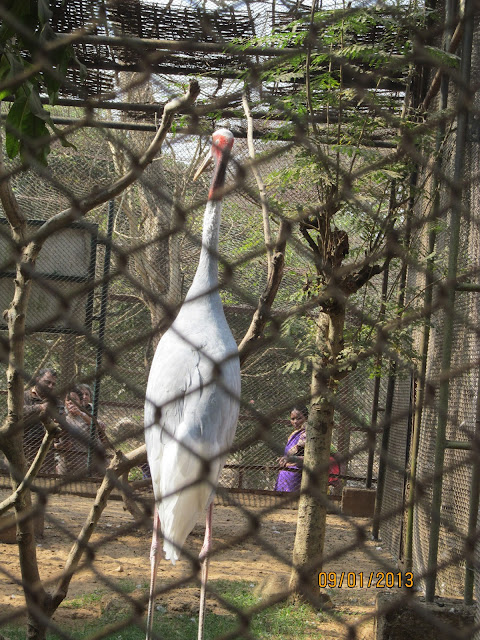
x=172 y=41
x=118 y=35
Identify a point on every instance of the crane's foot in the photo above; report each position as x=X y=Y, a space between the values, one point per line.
x=207 y=543
x=154 y=550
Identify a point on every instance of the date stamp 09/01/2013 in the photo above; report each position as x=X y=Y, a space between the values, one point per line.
x=360 y=579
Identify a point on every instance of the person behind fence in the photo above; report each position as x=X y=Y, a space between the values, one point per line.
x=290 y=475
x=36 y=402
x=86 y=403
x=72 y=448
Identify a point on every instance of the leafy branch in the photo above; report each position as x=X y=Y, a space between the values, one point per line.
x=25 y=55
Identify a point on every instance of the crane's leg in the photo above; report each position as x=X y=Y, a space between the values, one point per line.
x=207 y=543
x=154 y=552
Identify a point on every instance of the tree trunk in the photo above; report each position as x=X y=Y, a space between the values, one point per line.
x=312 y=508
x=12 y=445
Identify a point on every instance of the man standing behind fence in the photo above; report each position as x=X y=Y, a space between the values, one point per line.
x=36 y=401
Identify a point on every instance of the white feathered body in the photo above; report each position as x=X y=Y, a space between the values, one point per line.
x=192 y=400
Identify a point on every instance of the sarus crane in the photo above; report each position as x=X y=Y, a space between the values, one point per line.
x=192 y=398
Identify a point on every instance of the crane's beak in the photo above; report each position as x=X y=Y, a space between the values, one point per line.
x=206 y=162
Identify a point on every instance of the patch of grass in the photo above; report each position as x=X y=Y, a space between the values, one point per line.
x=135 y=474
x=280 y=622
x=127 y=585
x=84 y=601
x=13 y=632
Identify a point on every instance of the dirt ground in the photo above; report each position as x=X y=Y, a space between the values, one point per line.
x=261 y=558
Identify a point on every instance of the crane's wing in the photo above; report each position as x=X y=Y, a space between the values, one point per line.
x=191 y=413
x=193 y=403
x=170 y=376
x=195 y=384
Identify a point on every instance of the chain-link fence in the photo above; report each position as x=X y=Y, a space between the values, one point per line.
x=347 y=259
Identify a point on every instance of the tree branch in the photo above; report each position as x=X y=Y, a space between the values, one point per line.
x=12 y=209
x=314 y=247
x=266 y=300
x=32 y=472
x=261 y=186
x=96 y=198
x=120 y=464
x=435 y=86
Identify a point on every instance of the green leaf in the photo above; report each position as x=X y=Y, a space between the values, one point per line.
x=443 y=57
x=15 y=118
x=12 y=145
x=36 y=107
x=22 y=124
x=16 y=63
x=21 y=10
x=5 y=73
x=44 y=13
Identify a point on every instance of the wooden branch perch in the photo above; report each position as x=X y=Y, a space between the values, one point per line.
x=266 y=300
x=31 y=473
x=120 y=464
x=96 y=198
x=261 y=186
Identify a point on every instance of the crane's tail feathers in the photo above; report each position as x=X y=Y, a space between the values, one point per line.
x=172 y=552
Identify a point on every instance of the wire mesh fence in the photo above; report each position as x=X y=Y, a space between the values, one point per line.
x=346 y=264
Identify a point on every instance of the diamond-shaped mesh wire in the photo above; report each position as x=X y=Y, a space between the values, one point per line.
x=361 y=171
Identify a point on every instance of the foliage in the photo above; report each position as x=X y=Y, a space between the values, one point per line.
x=25 y=42
x=353 y=67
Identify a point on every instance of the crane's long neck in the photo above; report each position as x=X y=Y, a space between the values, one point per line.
x=206 y=276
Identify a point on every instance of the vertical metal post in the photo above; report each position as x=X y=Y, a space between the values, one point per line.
x=91 y=277
x=382 y=465
x=372 y=434
x=473 y=511
x=101 y=328
x=425 y=338
x=454 y=243
x=417 y=420
x=376 y=389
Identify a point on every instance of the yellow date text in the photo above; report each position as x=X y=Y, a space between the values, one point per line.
x=361 y=580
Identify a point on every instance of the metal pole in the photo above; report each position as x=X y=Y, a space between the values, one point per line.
x=376 y=389
x=418 y=413
x=425 y=338
x=382 y=465
x=454 y=242
x=473 y=510
x=101 y=329
x=371 y=434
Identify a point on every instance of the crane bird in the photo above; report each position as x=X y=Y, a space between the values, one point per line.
x=192 y=398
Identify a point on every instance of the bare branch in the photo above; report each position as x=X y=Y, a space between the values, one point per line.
x=96 y=198
x=435 y=86
x=263 y=313
x=120 y=464
x=261 y=186
x=9 y=202
x=32 y=472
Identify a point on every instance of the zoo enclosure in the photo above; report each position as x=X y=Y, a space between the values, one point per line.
x=457 y=412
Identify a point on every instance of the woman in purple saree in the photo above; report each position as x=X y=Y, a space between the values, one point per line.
x=289 y=478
